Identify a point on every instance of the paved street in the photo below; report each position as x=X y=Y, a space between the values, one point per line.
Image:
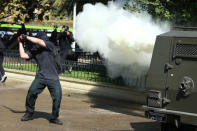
x=78 y=112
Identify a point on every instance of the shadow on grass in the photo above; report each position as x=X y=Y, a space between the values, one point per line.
x=36 y=115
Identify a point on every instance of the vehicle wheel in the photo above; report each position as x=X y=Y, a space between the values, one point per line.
x=168 y=127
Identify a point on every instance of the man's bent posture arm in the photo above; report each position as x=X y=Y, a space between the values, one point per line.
x=22 y=51
x=31 y=39
x=36 y=41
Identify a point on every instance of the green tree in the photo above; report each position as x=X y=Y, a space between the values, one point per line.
x=176 y=11
x=21 y=11
x=62 y=8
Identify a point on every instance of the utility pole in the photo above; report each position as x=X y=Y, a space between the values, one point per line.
x=74 y=22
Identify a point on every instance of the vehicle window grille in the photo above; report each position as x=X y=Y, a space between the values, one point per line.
x=186 y=50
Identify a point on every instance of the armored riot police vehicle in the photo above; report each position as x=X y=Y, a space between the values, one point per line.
x=172 y=80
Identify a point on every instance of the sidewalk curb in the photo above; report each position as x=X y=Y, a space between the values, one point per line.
x=89 y=87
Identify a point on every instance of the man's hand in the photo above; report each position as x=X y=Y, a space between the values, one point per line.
x=23 y=37
x=18 y=39
x=67 y=32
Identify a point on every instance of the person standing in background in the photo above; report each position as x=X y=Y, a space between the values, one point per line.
x=3 y=77
x=65 y=41
x=53 y=37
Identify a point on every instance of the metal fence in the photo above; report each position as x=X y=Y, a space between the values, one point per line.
x=84 y=65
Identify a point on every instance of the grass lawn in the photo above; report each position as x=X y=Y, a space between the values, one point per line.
x=78 y=74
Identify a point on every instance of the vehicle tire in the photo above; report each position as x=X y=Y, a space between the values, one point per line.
x=168 y=127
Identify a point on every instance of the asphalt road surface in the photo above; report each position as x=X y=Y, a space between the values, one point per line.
x=78 y=112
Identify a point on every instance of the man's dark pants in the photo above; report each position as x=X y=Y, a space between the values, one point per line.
x=63 y=55
x=37 y=87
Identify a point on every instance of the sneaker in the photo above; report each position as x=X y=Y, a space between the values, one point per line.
x=26 y=117
x=3 y=78
x=56 y=121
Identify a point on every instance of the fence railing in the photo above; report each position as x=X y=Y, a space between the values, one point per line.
x=84 y=66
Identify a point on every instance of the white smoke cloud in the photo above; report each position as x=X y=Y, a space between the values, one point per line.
x=124 y=39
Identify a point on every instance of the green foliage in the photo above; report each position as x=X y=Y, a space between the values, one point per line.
x=62 y=8
x=20 y=11
x=175 y=11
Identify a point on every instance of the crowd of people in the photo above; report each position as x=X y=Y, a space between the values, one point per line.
x=62 y=39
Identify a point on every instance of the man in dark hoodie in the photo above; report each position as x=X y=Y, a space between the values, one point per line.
x=47 y=75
